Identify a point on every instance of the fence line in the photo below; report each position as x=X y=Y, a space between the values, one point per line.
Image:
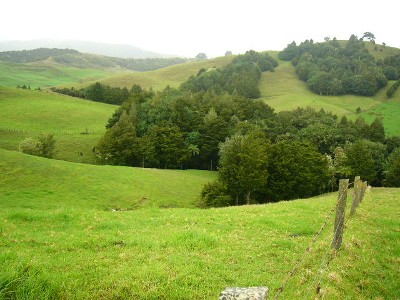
x=307 y=250
x=56 y=133
x=359 y=191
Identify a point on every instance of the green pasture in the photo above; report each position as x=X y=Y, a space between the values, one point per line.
x=389 y=110
x=77 y=124
x=75 y=231
x=35 y=182
x=45 y=75
x=173 y=76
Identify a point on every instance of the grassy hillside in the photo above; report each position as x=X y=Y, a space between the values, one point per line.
x=38 y=183
x=76 y=124
x=173 y=76
x=57 y=216
x=45 y=74
x=282 y=90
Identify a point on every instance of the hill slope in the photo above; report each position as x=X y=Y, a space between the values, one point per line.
x=39 y=183
x=173 y=76
x=282 y=90
x=76 y=124
x=57 y=215
x=46 y=74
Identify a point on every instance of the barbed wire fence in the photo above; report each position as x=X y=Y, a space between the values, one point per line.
x=359 y=190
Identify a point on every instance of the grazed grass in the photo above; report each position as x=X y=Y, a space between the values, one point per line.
x=388 y=110
x=45 y=75
x=40 y=183
x=181 y=253
x=76 y=124
x=173 y=76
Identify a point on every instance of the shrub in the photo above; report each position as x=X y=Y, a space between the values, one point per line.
x=215 y=194
x=43 y=146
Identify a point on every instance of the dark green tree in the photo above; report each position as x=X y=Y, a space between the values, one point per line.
x=360 y=161
x=369 y=36
x=376 y=131
x=117 y=144
x=169 y=144
x=243 y=165
x=392 y=169
x=296 y=170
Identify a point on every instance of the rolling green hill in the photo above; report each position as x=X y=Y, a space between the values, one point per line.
x=45 y=74
x=282 y=90
x=76 y=124
x=173 y=76
x=39 y=183
x=65 y=216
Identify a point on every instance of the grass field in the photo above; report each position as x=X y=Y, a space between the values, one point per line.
x=51 y=184
x=45 y=75
x=60 y=239
x=76 y=124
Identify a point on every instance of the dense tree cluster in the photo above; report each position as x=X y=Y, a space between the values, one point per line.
x=392 y=67
x=175 y=129
x=392 y=89
x=241 y=76
x=331 y=69
x=97 y=92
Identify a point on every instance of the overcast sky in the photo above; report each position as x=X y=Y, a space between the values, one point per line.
x=186 y=27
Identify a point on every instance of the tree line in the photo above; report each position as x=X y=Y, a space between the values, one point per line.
x=329 y=68
x=97 y=92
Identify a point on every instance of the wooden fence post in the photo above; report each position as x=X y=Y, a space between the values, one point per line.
x=356 y=195
x=340 y=212
x=363 y=189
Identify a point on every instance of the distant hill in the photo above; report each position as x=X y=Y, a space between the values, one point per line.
x=115 y=50
x=76 y=59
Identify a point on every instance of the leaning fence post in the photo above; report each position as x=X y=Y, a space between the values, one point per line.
x=340 y=211
x=356 y=195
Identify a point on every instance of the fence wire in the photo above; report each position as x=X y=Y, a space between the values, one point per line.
x=306 y=251
x=325 y=260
